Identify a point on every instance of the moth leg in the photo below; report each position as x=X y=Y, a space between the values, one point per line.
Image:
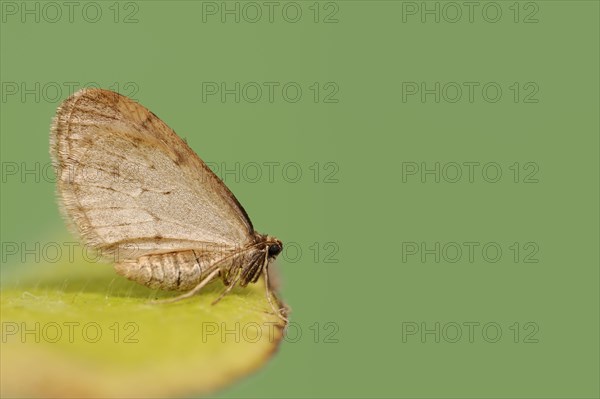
x=226 y=290
x=216 y=269
x=191 y=292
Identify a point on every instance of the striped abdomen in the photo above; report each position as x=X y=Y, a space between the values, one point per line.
x=170 y=271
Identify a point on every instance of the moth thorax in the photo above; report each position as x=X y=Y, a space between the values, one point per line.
x=271 y=244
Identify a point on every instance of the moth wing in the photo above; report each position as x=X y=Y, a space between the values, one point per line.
x=133 y=187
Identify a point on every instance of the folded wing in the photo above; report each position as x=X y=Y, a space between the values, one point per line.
x=132 y=187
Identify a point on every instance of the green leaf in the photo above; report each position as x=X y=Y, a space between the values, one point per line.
x=79 y=330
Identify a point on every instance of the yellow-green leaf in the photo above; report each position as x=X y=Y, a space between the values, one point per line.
x=79 y=330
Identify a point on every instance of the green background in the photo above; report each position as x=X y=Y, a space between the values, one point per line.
x=371 y=293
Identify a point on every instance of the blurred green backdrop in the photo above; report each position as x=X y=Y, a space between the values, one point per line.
x=348 y=129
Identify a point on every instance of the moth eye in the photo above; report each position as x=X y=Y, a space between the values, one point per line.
x=274 y=250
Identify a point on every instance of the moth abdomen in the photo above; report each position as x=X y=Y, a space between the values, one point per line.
x=179 y=271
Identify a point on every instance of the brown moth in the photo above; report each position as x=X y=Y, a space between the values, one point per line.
x=136 y=191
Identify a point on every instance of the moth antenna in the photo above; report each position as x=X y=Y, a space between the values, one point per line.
x=268 y=292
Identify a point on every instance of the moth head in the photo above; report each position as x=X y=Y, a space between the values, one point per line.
x=274 y=247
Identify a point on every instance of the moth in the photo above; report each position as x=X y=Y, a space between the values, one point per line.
x=135 y=191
